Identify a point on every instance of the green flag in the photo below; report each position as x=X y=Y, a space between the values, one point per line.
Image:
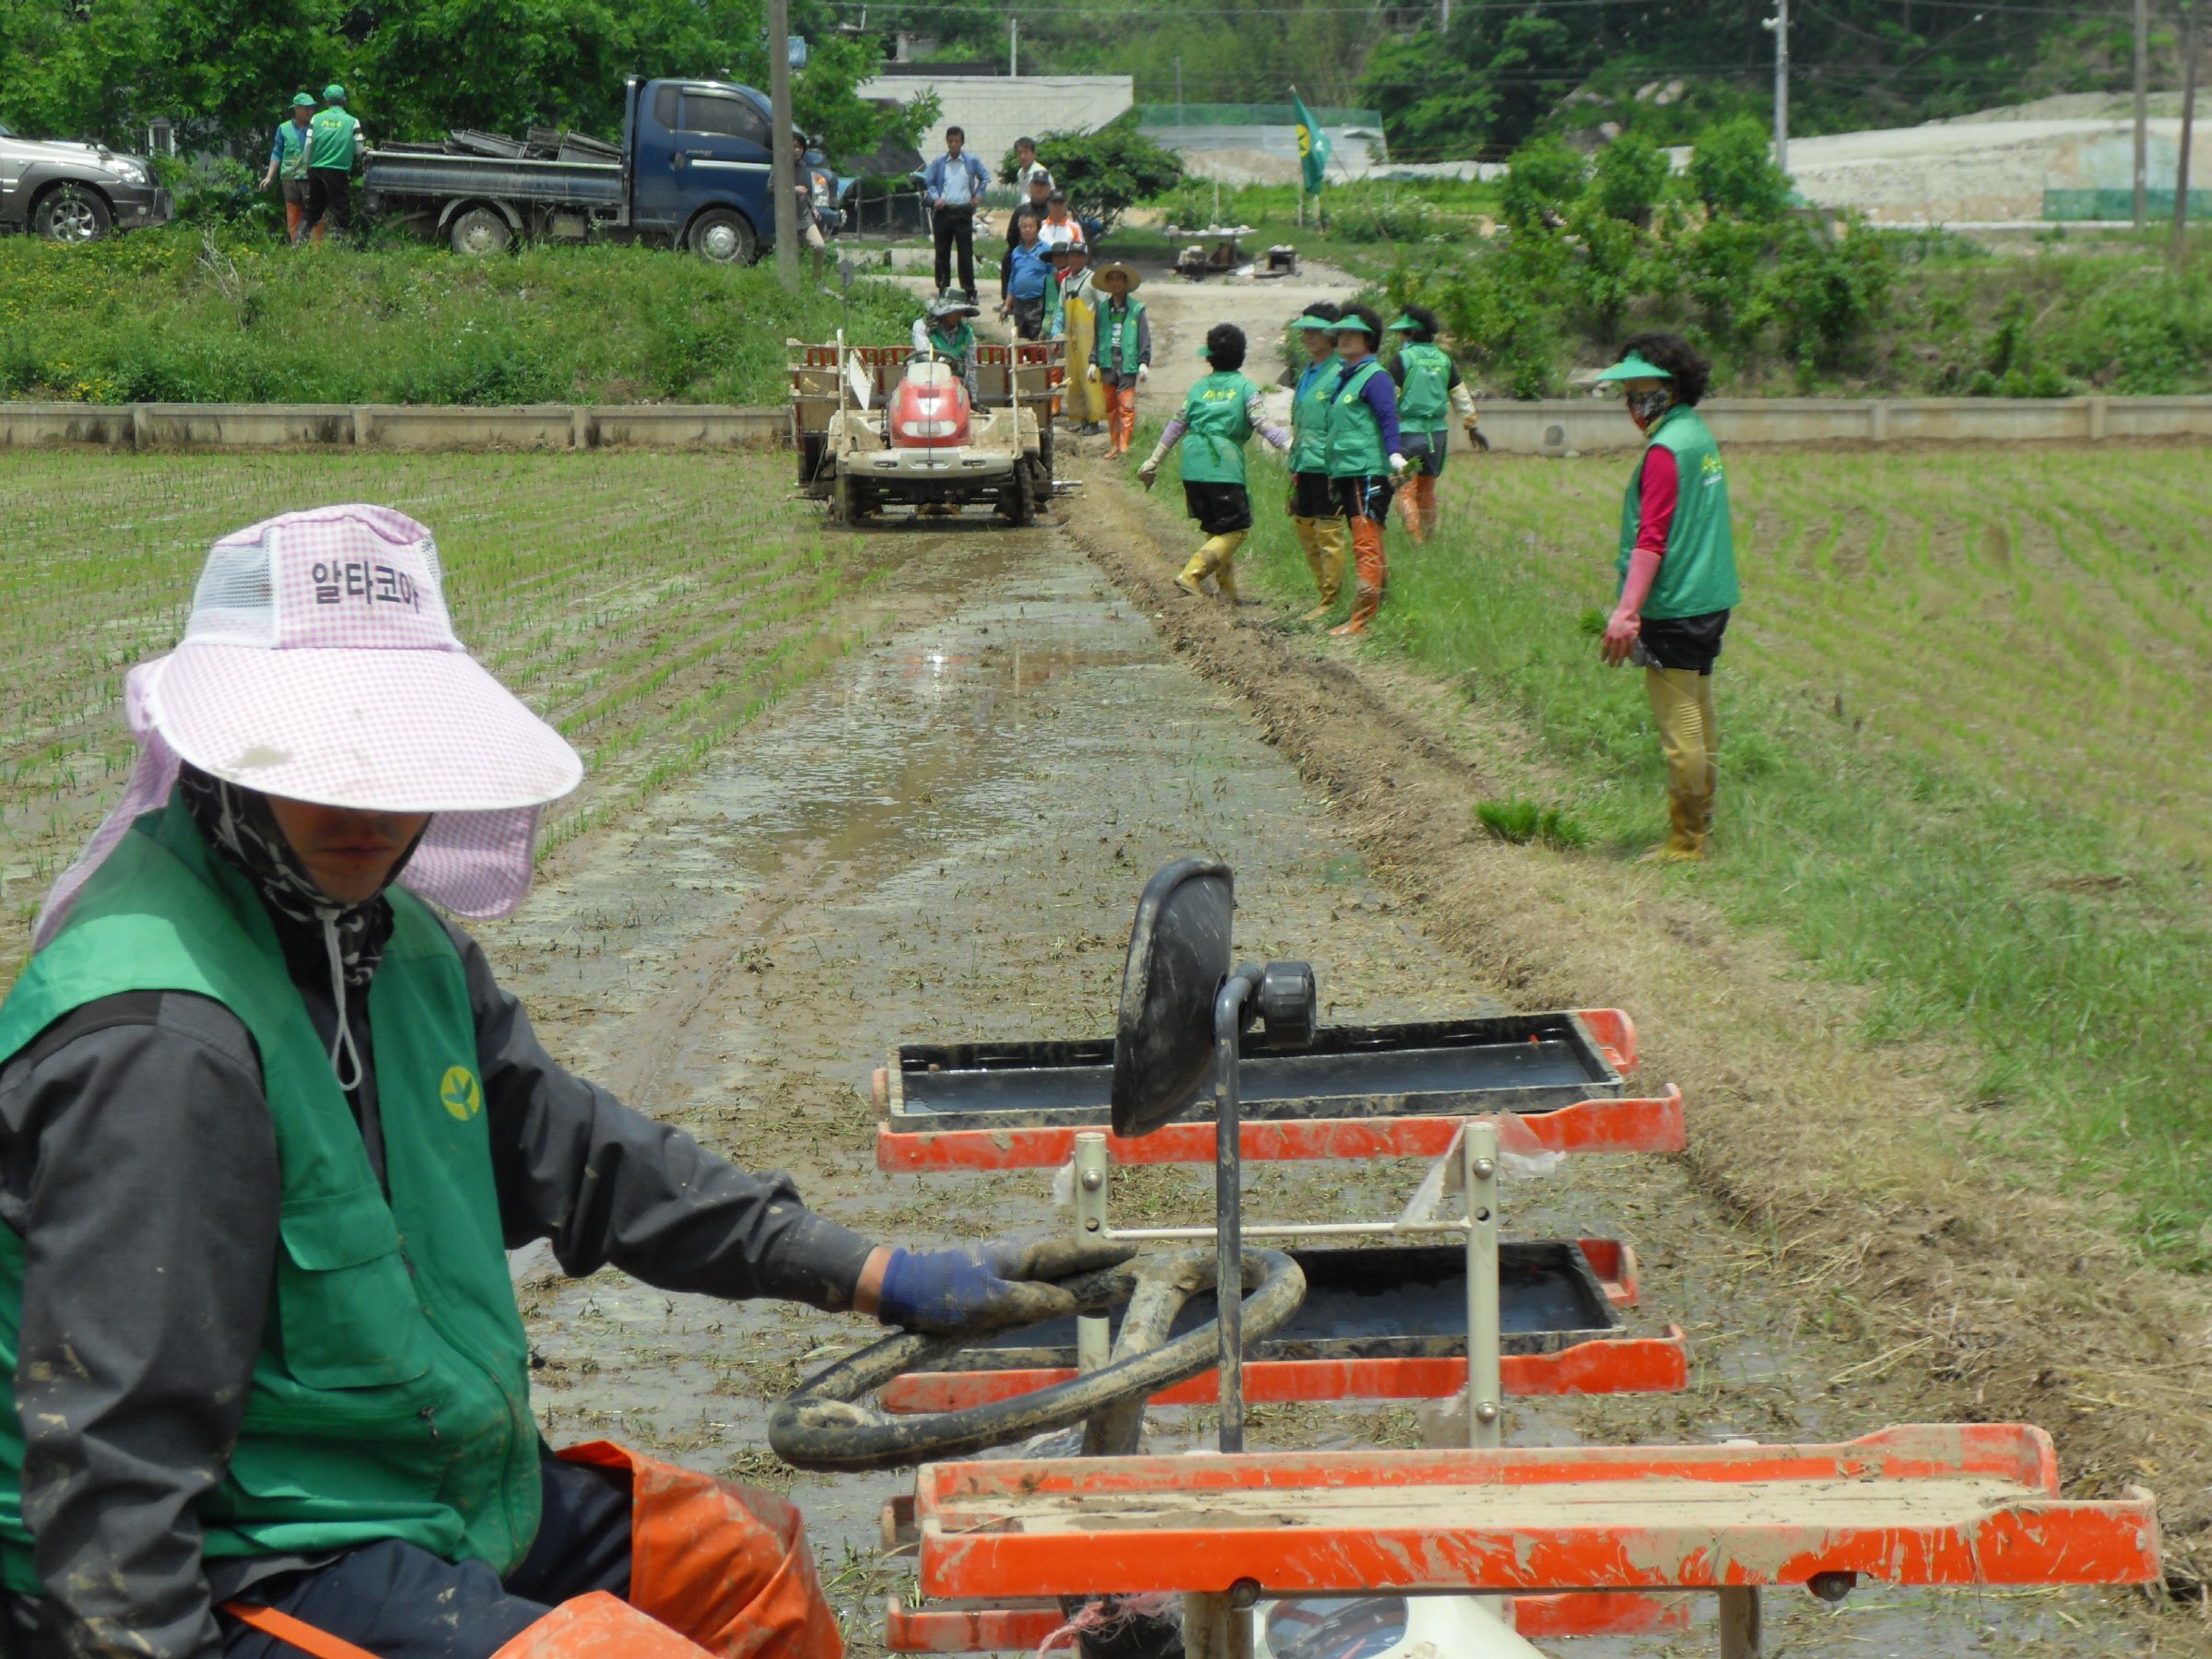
x=1312 y=143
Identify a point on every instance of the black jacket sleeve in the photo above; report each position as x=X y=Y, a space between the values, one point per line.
x=124 y=1130
x=608 y=1185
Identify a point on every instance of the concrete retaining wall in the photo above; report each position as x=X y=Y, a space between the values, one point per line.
x=392 y=426
x=1551 y=428
x=1555 y=427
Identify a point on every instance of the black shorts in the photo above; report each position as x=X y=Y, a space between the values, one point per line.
x=1425 y=451
x=1219 y=508
x=1310 y=495
x=1690 y=642
x=1363 y=497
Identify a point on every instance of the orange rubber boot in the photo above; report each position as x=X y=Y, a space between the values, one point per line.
x=599 y=1626
x=724 y=1565
x=1366 y=596
x=1409 y=509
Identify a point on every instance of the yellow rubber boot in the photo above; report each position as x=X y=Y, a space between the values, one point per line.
x=1225 y=562
x=1327 y=562
x=1681 y=706
x=1197 y=570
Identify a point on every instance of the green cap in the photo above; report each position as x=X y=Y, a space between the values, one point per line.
x=1326 y=324
x=334 y=93
x=1636 y=366
x=1206 y=352
x=308 y=98
x=1409 y=322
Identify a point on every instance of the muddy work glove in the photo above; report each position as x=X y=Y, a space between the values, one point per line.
x=993 y=1286
x=1397 y=464
x=1149 y=472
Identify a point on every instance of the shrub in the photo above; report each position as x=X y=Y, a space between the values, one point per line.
x=1628 y=179
x=1733 y=173
x=1104 y=172
x=1542 y=181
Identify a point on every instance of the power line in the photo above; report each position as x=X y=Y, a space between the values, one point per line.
x=1106 y=14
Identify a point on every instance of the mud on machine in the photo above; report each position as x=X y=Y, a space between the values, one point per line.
x=1297 y=1556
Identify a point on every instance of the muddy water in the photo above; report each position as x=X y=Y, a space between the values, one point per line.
x=944 y=838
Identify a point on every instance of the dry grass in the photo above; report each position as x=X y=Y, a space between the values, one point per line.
x=646 y=605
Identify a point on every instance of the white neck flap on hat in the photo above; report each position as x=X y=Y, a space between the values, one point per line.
x=319 y=663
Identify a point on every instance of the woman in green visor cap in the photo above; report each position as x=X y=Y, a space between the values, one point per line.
x=1677 y=573
x=1315 y=513
x=1220 y=415
x=1429 y=385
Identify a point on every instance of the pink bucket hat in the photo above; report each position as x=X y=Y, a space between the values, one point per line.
x=319 y=663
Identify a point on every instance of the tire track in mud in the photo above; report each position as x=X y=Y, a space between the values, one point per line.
x=943 y=837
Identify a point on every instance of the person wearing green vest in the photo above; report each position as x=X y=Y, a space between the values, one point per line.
x=269 y=1129
x=943 y=330
x=1677 y=574
x=1428 y=384
x=1121 y=356
x=1314 y=514
x=1221 y=412
x=288 y=157
x=1360 y=450
x=333 y=151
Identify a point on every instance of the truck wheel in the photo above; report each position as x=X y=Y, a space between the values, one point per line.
x=481 y=233
x=721 y=237
x=72 y=213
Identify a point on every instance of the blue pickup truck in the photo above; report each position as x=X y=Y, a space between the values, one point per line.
x=691 y=173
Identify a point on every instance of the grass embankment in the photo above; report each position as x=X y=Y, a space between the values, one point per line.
x=1962 y=709
x=648 y=605
x=172 y=316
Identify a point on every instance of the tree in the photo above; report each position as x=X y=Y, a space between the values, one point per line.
x=1628 y=179
x=1105 y=172
x=1733 y=173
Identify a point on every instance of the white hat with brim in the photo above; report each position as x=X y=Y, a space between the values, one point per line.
x=319 y=663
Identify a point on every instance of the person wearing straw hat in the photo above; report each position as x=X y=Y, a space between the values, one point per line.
x=1121 y=360
x=1315 y=511
x=268 y=1128
x=1363 y=458
x=1677 y=574
x=1222 y=411
x=1428 y=384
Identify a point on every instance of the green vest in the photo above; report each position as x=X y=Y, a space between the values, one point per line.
x=1213 y=449
x=391 y=1398
x=1426 y=392
x=1117 y=336
x=957 y=346
x=1310 y=417
x=1697 y=575
x=1354 y=441
x=291 y=142
x=330 y=139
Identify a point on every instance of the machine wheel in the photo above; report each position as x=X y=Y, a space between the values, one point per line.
x=849 y=500
x=721 y=237
x=819 y=1426
x=1017 y=501
x=1044 y=450
x=479 y=233
x=812 y=446
x=72 y=213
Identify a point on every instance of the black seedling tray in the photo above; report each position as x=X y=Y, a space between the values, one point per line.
x=1448 y=1067
x=1398 y=1302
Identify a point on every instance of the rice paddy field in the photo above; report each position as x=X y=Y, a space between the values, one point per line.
x=647 y=605
x=1965 y=705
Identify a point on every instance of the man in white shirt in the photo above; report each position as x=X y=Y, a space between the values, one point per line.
x=953 y=185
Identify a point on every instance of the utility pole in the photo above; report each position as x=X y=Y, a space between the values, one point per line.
x=1013 y=48
x=2191 y=23
x=2141 y=113
x=1179 y=92
x=781 y=178
x=1780 y=24
x=1444 y=17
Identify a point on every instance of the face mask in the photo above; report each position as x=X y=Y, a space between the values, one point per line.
x=1647 y=407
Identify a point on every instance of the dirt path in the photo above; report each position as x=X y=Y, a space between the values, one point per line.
x=944 y=837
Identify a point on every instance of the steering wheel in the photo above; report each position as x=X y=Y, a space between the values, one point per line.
x=821 y=1425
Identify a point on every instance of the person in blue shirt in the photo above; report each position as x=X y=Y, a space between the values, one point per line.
x=1029 y=286
x=953 y=186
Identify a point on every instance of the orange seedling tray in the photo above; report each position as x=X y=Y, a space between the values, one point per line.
x=1617 y=1365
x=1933 y=1504
x=1653 y=1124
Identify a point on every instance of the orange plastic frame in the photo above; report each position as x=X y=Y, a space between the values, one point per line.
x=1653 y=1124
x=1726 y=1515
x=1611 y=1365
